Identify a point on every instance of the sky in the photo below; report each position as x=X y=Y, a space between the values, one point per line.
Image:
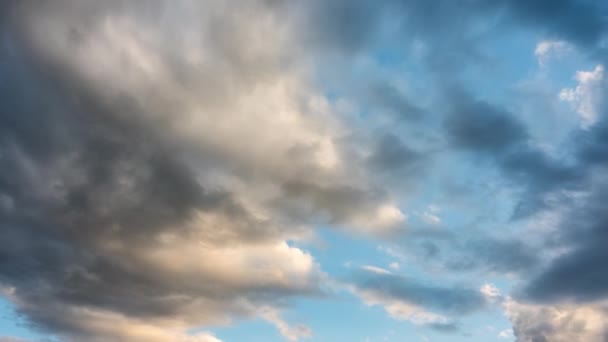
x=283 y=170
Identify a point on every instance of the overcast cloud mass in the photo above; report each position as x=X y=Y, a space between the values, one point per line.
x=278 y=170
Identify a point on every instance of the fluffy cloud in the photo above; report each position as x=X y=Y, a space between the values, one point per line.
x=145 y=189
x=532 y=323
x=587 y=96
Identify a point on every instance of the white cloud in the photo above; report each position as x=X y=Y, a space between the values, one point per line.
x=375 y=269
x=490 y=292
x=430 y=218
x=507 y=333
x=392 y=252
x=400 y=309
x=547 y=49
x=291 y=333
x=587 y=96
x=394 y=265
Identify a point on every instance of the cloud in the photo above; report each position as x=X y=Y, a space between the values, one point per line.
x=587 y=96
x=353 y=207
x=507 y=333
x=375 y=269
x=449 y=31
x=11 y=339
x=490 y=291
x=576 y=275
x=556 y=323
x=139 y=170
x=494 y=255
x=579 y=22
x=491 y=133
x=547 y=49
x=294 y=333
x=436 y=307
x=161 y=163
x=479 y=126
x=392 y=156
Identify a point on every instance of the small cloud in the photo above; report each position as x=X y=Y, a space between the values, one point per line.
x=394 y=266
x=291 y=333
x=490 y=291
x=392 y=252
x=430 y=218
x=587 y=96
x=374 y=269
x=507 y=333
x=547 y=49
x=434 y=208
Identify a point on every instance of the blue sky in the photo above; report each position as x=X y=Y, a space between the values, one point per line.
x=345 y=170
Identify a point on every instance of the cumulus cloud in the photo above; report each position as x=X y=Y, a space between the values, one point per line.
x=532 y=323
x=144 y=188
x=587 y=96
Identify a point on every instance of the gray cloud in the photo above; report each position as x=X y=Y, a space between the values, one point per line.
x=495 y=255
x=578 y=274
x=556 y=323
x=481 y=127
x=448 y=28
x=492 y=133
x=434 y=306
x=392 y=156
x=108 y=211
